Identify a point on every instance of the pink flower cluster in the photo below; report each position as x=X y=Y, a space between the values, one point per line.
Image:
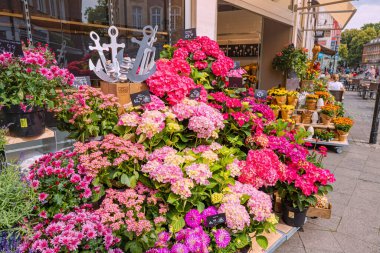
x=262 y=168
x=171 y=80
x=125 y=210
x=55 y=171
x=5 y=58
x=236 y=72
x=203 y=119
x=71 y=232
x=112 y=151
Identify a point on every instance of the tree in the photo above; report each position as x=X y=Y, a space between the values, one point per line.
x=343 y=51
x=97 y=14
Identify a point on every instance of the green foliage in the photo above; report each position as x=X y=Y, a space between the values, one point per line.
x=3 y=140
x=98 y=14
x=324 y=135
x=17 y=199
x=343 y=51
x=291 y=59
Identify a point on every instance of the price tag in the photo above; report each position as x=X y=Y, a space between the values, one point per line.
x=140 y=98
x=81 y=80
x=195 y=93
x=11 y=46
x=214 y=220
x=261 y=94
x=23 y=123
x=235 y=82
x=190 y=34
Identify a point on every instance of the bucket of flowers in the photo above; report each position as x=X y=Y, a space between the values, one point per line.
x=328 y=112
x=311 y=102
x=286 y=111
x=343 y=126
x=293 y=98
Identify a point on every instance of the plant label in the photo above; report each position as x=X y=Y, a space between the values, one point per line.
x=261 y=94
x=140 y=98
x=214 y=220
x=11 y=46
x=190 y=34
x=195 y=93
x=235 y=82
x=81 y=80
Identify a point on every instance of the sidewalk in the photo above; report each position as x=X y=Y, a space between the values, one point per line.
x=355 y=223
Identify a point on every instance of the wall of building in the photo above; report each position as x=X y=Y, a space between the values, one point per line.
x=276 y=35
x=206 y=18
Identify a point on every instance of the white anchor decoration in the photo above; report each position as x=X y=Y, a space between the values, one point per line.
x=143 y=66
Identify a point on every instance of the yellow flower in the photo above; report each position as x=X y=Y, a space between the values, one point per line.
x=272 y=219
x=216 y=198
x=173 y=127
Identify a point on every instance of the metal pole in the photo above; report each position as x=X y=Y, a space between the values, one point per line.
x=376 y=119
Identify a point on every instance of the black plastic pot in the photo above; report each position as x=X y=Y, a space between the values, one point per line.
x=293 y=216
x=25 y=124
x=50 y=119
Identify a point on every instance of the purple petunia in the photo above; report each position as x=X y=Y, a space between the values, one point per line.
x=222 y=238
x=179 y=248
x=193 y=218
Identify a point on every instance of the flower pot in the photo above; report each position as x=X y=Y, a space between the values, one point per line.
x=285 y=114
x=25 y=124
x=292 y=101
x=342 y=136
x=281 y=100
x=306 y=117
x=293 y=216
x=50 y=119
x=311 y=104
x=297 y=118
x=326 y=120
x=276 y=113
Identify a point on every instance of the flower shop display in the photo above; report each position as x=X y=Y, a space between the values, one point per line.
x=28 y=87
x=292 y=98
x=306 y=117
x=324 y=135
x=86 y=113
x=328 y=112
x=343 y=126
x=311 y=102
x=178 y=174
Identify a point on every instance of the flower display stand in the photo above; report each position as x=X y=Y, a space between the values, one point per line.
x=336 y=145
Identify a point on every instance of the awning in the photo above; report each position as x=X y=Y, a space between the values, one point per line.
x=341 y=11
x=327 y=51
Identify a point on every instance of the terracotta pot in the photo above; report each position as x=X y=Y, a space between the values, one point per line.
x=311 y=104
x=281 y=100
x=326 y=120
x=276 y=113
x=292 y=101
x=296 y=118
x=286 y=113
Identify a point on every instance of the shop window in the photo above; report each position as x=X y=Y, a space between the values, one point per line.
x=53 y=8
x=175 y=18
x=137 y=16
x=41 y=5
x=156 y=16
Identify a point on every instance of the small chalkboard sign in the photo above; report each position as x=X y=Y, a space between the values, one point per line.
x=81 y=80
x=140 y=98
x=214 y=220
x=236 y=64
x=190 y=34
x=235 y=82
x=11 y=46
x=195 y=93
x=261 y=94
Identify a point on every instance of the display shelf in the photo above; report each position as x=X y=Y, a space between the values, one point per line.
x=337 y=145
x=275 y=239
x=304 y=109
x=330 y=126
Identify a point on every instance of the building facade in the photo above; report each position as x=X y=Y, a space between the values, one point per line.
x=371 y=53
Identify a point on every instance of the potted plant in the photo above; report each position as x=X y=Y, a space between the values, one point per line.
x=276 y=110
x=324 y=135
x=293 y=98
x=309 y=75
x=280 y=96
x=27 y=88
x=17 y=201
x=311 y=101
x=343 y=126
x=328 y=112
x=306 y=117
x=286 y=111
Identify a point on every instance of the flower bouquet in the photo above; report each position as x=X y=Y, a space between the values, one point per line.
x=343 y=126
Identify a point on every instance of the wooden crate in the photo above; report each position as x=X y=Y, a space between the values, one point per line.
x=122 y=90
x=319 y=212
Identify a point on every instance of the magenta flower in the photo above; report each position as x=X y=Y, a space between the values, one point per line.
x=193 y=218
x=179 y=248
x=209 y=211
x=222 y=238
x=42 y=196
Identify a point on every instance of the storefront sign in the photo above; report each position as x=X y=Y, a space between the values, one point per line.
x=319 y=34
x=214 y=220
x=235 y=82
x=190 y=33
x=140 y=98
x=261 y=94
x=241 y=50
x=195 y=93
x=81 y=80
x=11 y=46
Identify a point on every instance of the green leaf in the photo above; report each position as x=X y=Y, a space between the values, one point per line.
x=262 y=241
x=242 y=241
x=200 y=206
x=125 y=180
x=177 y=224
x=172 y=198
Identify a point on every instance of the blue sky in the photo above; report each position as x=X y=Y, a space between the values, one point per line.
x=368 y=11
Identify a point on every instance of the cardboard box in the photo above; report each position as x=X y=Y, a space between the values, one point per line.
x=122 y=90
x=319 y=212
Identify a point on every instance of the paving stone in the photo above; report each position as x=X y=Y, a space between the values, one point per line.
x=373 y=170
x=362 y=203
x=372 y=163
x=357 y=156
x=339 y=171
x=329 y=224
x=353 y=244
x=325 y=242
x=352 y=163
x=345 y=185
x=368 y=186
x=338 y=197
x=338 y=209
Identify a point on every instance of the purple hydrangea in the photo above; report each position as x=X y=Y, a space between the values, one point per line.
x=222 y=238
x=179 y=248
x=193 y=218
x=209 y=211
